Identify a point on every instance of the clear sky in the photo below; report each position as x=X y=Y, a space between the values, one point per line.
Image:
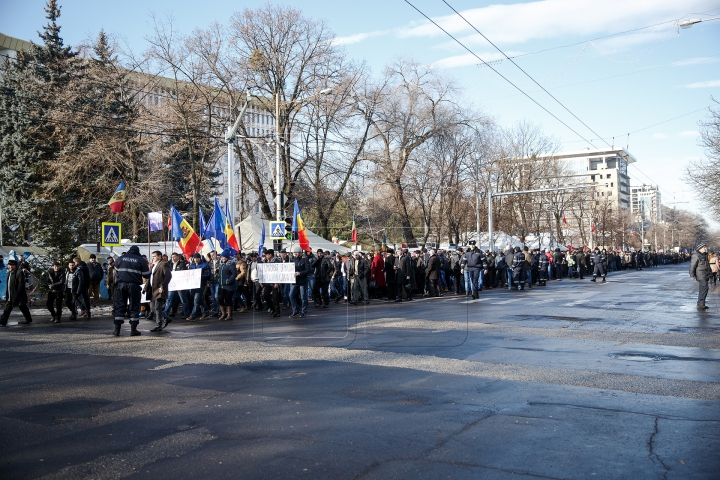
x=615 y=85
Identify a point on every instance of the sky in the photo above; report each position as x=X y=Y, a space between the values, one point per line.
x=655 y=83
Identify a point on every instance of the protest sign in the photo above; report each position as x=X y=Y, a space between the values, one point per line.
x=276 y=272
x=185 y=280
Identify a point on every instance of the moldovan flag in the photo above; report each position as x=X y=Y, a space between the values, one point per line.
x=183 y=233
x=563 y=217
x=593 y=227
x=229 y=231
x=298 y=228
x=117 y=201
x=354 y=231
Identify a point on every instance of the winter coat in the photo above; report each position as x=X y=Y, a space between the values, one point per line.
x=432 y=271
x=474 y=259
x=76 y=282
x=204 y=275
x=243 y=275
x=363 y=270
x=56 y=281
x=302 y=268
x=323 y=269
x=95 y=273
x=227 y=274
x=377 y=270
x=700 y=266
x=405 y=270
x=16 y=292
x=389 y=269
x=161 y=275
x=543 y=263
x=131 y=267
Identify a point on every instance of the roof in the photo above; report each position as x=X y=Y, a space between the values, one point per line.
x=11 y=43
x=593 y=153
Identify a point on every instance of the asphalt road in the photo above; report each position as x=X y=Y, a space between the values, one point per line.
x=572 y=380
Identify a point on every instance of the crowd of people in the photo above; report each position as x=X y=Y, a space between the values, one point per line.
x=230 y=282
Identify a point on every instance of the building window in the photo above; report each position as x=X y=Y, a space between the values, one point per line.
x=608 y=176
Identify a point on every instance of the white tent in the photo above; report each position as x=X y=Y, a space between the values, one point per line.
x=500 y=239
x=543 y=242
x=251 y=229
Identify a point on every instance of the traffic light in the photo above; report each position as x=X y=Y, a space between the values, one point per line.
x=288 y=229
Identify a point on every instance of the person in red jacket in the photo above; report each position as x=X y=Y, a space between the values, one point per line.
x=377 y=273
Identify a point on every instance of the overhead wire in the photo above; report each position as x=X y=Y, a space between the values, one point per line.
x=500 y=74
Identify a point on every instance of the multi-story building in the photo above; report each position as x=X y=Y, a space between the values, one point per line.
x=646 y=203
x=607 y=170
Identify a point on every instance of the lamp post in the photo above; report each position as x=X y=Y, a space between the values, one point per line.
x=693 y=21
x=278 y=187
x=230 y=139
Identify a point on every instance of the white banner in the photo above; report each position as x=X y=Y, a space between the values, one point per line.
x=185 y=280
x=276 y=272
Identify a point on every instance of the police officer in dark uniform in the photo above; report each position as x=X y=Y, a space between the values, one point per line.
x=131 y=268
x=598 y=260
x=474 y=260
x=518 y=268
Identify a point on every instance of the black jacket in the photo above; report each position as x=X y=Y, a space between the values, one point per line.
x=131 y=267
x=95 y=273
x=302 y=268
x=226 y=276
x=77 y=281
x=16 y=292
x=474 y=259
x=56 y=281
x=389 y=269
x=323 y=268
x=363 y=268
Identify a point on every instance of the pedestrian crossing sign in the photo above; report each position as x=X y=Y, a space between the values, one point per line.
x=111 y=234
x=277 y=230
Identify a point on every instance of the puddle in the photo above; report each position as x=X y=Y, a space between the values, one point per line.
x=635 y=357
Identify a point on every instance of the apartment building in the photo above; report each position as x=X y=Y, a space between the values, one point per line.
x=646 y=203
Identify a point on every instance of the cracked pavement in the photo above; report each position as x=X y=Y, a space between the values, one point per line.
x=573 y=380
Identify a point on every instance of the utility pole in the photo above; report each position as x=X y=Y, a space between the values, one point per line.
x=230 y=139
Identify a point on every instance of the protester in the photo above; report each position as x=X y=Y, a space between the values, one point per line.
x=157 y=290
x=15 y=294
x=700 y=271
x=95 y=274
x=56 y=289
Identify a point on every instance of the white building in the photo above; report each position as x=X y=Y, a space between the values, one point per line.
x=607 y=170
x=646 y=201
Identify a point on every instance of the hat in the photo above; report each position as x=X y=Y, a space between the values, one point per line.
x=471 y=242
x=195 y=255
x=700 y=245
x=284 y=250
x=12 y=262
x=226 y=253
x=296 y=249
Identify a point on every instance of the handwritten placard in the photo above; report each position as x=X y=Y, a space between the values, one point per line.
x=185 y=280
x=276 y=272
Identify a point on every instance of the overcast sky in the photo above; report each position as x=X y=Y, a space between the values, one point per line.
x=616 y=85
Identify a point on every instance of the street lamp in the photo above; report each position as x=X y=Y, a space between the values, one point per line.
x=278 y=188
x=693 y=21
x=230 y=139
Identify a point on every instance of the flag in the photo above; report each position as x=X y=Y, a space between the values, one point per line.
x=183 y=233
x=403 y=244
x=522 y=235
x=383 y=247
x=155 y=221
x=593 y=227
x=216 y=225
x=563 y=217
x=261 y=245
x=203 y=229
x=229 y=231
x=117 y=201
x=298 y=228
x=354 y=230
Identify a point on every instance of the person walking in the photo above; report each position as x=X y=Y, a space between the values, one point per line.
x=73 y=280
x=227 y=284
x=15 y=294
x=84 y=288
x=95 y=272
x=160 y=276
x=475 y=262
x=598 y=262
x=700 y=271
x=298 y=290
x=131 y=268
x=56 y=288
x=359 y=272
x=199 y=311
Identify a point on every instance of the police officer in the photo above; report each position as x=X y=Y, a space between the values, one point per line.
x=518 y=268
x=474 y=260
x=131 y=268
x=598 y=260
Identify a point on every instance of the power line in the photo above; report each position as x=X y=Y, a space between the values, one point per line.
x=500 y=74
x=520 y=68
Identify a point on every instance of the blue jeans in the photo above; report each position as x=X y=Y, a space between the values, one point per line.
x=509 y=278
x=468 y=284
x=172 y=301
x=285 y=289
x=199 y=307
x=299 y=292
x=528 y=276
x=309 y=289
x=185 y=297
x=214 y=296
x=481 y=280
